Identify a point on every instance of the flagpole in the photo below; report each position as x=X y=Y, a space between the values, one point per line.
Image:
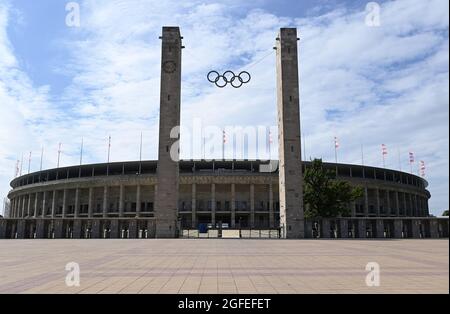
x=21 y=165
x=59 y=155
x=140 y=155
x=362 y=154
x=42 y=158
x=81 y=151
x=29 y=163
x=223 y=146
x=109 y=147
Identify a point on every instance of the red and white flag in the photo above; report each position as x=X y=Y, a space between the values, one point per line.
x=336 y=142
x=383 y=149
x=224 y=137
x=411 y=157
x=270 y=137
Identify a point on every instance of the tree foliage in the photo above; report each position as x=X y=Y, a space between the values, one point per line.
x=326 y=196
x=445 y=213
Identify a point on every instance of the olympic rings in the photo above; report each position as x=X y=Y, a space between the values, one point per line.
x=228 y=77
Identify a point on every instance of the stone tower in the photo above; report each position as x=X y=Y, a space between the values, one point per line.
x=290 y=168
x=166 y=197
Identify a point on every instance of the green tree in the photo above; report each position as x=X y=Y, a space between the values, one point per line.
x=326 y=196
x=445 y=213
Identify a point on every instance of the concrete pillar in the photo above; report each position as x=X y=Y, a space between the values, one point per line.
x=132 y=227
x=58 y=228
x=343 y=226
x=64 y=204
x=362 y=228
x=377 y=202
x=28 y=205
x=405 y=205
x=434 y=229
x=55 y=192
x=35 y=214
x=366 y=201
x=308 y=229
x=40 y=229
x=325 y=232
x=213 y=204
x=271 y=211
x=77 y=205
x=288 y=103
x=90 y=202
x=398 y=228
x=105 y=201
x=138 y=200
x=114 y=234
x=233 y=205
x=95 y=229
x=397 y=204
x=77 y=228
x=3 y=227
x=121 y=200
x=379 y=228
x=388 y=201
x=44 y=203
x=20 y=229
x=252 y=206
x=194 y=205
x=415 y=223
x=166 y=210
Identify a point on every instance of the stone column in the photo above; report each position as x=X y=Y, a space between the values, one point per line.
x=105 y=201
x=90 y=202
x=290 y=175
x=138 y=200
x=35 y=205
x=434 y=231
x=361 y=228
x=29 y=205
x=397 y=204
x=77 y=228
x=233 y=205
x=271 y=211
x=405 y=206
x=44 y=203
x=213 y=205
x=380 y=228
x=325 y=232
x=64 y=204
x=343 y=226
x=388 y=201
x=377 y=200
x=77 y=205
x=366 y=201
x=194 y=205
x=415 y=223
x=54 y=203
x=121 y=200
x=252 y=205
x=398 y=228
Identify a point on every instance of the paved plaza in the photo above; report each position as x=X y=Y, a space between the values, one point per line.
x=224 y=266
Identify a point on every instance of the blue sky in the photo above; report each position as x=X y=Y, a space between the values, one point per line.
x=365 y=85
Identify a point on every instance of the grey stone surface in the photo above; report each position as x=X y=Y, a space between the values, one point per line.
x=290 y=167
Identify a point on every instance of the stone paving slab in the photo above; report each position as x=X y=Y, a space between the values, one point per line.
x=224 y=266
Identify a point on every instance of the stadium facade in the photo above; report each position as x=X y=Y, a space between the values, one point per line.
x=169 y=198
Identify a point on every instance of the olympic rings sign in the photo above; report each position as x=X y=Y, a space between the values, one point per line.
x=229 y=77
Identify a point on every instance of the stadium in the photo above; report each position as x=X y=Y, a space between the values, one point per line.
x=117 y=200
x=168 y=198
